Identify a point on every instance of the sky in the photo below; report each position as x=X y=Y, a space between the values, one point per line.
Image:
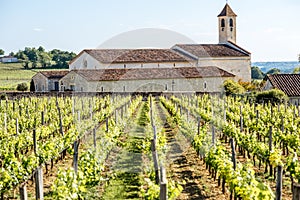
x=270 y=30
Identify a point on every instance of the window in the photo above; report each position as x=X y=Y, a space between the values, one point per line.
x=124 y=88
x=223 y=24
x=204 y=85
x=166 y=87
x=102 y=89
x=174 y=64
x=158 y=65
x=142 y=65
x=124 y=66
x=173 y=85
x=85 y=63
x=231 y=22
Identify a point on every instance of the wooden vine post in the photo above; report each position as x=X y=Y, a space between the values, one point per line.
x=296 y=192
x=163 y=195
x=94 y=138
x=241 y=119
x=23 y=192
x=224 y=111
x=155 y=156
x=60 y=119
x=233 y=157
x=279 y=183
x=5 y=123
x=155 y=160
x=78 y=116
x=270 y=148
x=106 y=124
x=39 y=193
x=75 y=156
x=17 y=126
x=199 y=124
x=213 y=138
x=151 y=111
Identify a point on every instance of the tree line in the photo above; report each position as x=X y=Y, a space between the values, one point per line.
x=32 y=57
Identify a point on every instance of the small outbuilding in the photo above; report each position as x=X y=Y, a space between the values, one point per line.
x=288 y=83
x=47 y=81
x=8 y=59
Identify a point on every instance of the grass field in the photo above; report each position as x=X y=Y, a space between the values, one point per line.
x=11 y=74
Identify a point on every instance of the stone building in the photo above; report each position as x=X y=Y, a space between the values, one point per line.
x=182 y=68
x=47 y=81
x=288 y=83
x=176 y=79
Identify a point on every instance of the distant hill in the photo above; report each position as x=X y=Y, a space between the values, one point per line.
x=285 y=67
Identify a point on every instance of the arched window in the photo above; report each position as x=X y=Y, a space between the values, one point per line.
x=223 y=24
x=231 y=23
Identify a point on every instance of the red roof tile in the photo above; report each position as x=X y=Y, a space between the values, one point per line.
x=152 y=73
x=136 y=55
x=288 y=83
x=54 y=74
x=212 y=50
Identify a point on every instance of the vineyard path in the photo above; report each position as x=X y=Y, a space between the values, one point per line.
x=125 y=164
x=185 y=167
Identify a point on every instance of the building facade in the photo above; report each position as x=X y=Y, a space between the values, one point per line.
x=182 y=68
x=47 y=81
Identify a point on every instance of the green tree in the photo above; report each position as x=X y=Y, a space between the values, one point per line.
x=45 y=59
x=2 y=52
x=231 y=87
x=274 y=95
x=41 y=49
x=62 y=58
x=23 y=58
x=256 y=73
x=274 y=71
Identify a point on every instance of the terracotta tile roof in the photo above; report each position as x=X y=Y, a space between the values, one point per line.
x=211 y=50
x=227 y=11
x=152 y=73
x=288 y=83
x=54 y=74
x=136 y=55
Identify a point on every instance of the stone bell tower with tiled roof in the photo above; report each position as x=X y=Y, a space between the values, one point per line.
x=227 y=25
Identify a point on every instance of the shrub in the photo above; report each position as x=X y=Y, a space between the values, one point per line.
x=3 y=96
x=22 y=87
x=231 y=87
x=274 y=95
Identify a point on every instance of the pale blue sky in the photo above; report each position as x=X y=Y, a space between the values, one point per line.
x=270 y=30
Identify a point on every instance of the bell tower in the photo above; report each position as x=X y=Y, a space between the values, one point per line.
x=227 y=25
